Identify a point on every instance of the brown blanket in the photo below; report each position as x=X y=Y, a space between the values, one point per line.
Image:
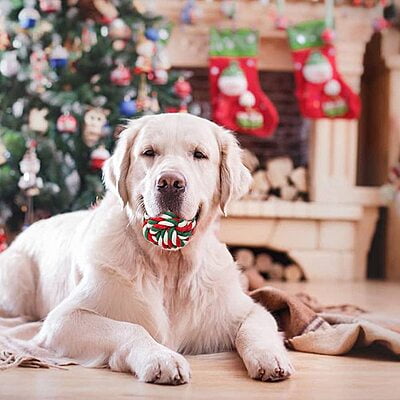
x=308 y=327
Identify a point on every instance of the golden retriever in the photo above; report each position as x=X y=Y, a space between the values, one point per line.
x=110 y=297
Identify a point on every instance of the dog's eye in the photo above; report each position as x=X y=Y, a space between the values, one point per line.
x=149 y=153
x=199 y=155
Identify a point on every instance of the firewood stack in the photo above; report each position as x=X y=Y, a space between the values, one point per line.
x=261 y=267
x=278 y=179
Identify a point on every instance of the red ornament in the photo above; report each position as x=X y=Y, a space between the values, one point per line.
x=182 y=88
x=328 y=35
x=3 y=240
x=121 y=76
x=67 y=123
x=98 y=158
x=50 y=6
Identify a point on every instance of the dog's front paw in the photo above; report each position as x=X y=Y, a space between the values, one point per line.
x=163 y=366
x=267 y=365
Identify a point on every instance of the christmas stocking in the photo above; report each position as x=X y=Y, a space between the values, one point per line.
x=320 y=89
x=237 y=100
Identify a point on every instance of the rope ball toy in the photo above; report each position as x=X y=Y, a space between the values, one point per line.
x=168 y=231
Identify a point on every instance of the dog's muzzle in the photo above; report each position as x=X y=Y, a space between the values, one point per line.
x=168 y=230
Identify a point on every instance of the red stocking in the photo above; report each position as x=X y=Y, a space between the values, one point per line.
x=320 y=89
x=237 y=100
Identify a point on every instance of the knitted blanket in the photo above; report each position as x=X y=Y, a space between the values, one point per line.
x=308 y=327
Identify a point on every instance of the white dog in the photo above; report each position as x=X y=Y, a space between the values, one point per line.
x=110 y=297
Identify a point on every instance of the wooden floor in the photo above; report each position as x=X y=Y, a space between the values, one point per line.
x=371 y=375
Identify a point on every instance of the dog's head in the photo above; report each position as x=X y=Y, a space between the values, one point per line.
x=178 y=163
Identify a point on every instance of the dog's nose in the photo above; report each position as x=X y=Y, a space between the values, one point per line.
x=171 y=182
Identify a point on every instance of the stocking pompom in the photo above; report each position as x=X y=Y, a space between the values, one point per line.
x=232 y=80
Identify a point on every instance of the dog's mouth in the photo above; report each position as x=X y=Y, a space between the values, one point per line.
x=169 y=231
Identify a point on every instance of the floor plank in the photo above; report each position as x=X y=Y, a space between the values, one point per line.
x=362 y=375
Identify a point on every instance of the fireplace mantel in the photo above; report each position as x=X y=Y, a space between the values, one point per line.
x=330 y=236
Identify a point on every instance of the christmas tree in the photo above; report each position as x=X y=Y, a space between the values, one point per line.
x=70 y=73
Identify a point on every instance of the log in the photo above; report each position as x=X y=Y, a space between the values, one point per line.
x=276 y=272
x=260 y=186
x=250 y=160
x=299 y=179
x=263 y=262
x=279 y=170
x=293 y=273
x=288 y=193
x=244 y=258
x=255 y=279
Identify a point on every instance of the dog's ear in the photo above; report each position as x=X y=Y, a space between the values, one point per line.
x=235 y=178
x=116 y=167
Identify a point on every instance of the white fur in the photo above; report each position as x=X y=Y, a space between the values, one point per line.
x=111 y=298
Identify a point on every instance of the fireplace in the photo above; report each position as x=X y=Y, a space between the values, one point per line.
x=329 y=236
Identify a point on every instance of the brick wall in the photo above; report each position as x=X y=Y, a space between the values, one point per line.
x=291 y=136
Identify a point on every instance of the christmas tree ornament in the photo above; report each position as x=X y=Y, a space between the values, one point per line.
x=143 y=100
x=30 y=167
x=50 y=6
x=119 y=45
x=121 y=76
x=73 y=183
x=320 y=89
x=119 y=30
x=160 y=76
x=67 y=123
x=152 y=34
x=154 y=105
x=3 y=154
x=145 y=50
x=18 y=108
x=39 y=68
x=3 y=239
x=89 y=36
x=98 y=157
x=182 y=88
x=59 y=57
x=161 y=59
x=237 y=99
x=9 y=64
x=127 y=107
x=94 y=121
x=28 y=16
x=168 y=231
x=191 y=13
x=107 y=11
x=4 y=39
x=37 y=120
